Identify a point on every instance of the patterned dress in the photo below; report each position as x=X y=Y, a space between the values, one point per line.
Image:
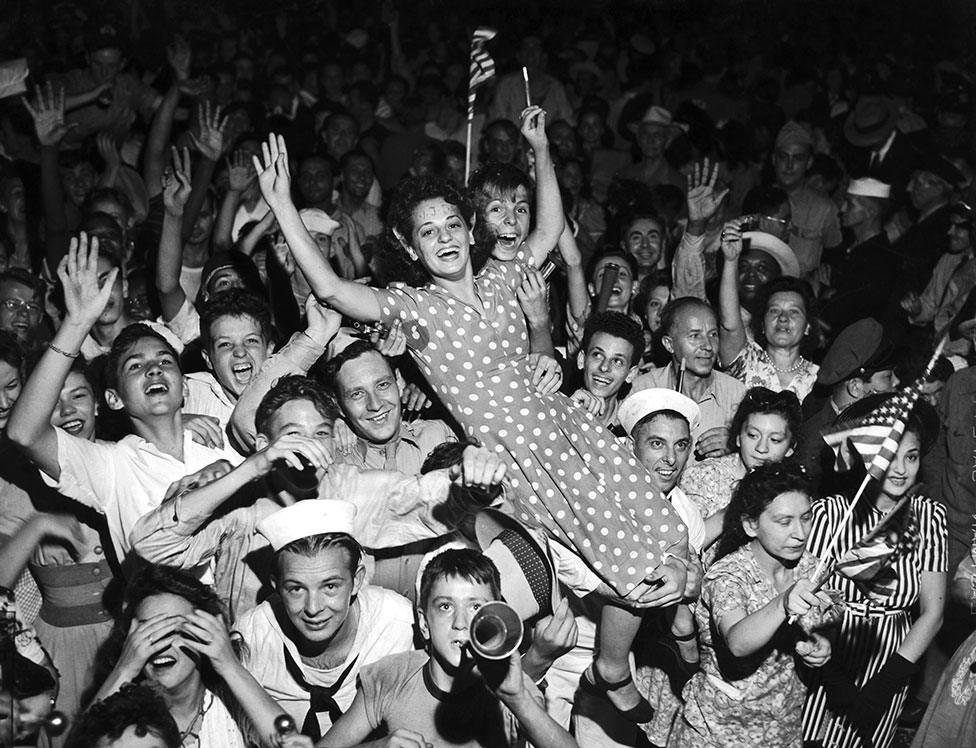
x=583 y=486
x=874 y=625
x=754 y=368
x=710 y=483
x=735 y=702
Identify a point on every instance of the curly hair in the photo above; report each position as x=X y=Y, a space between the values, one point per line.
x=618 y=325
x=763 y=401
x=766 y=292
x=399 y=217
x=756 y=491
x=133 y=706
x=234 y=302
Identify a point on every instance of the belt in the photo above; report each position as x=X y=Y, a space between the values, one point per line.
x=873 y=610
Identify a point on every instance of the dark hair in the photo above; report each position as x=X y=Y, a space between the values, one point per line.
x=612 y=251
x=627 y=219
x=755 y=492
x=23 y=277
x=313 y=545
x=129 y=336
x=676 y=306
x=783 y=284
x=11 y=351
x=654 y=279
x=138 y=707
x=287 y=389
x=764 y=200
x=618 y=325
x=234 y=302
x=491 y=182
x=504 y=124
x=355 y=153
x=350 y=353
x=465 y=498
x=764 y=401
x=98 y=194
x=466 y=563
x=408 y=194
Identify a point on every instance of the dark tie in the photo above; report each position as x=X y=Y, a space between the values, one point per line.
x=320 y=697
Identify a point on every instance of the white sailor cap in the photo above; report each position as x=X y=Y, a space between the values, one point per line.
x=307 y=518
x=637 y=406
x=869 y=187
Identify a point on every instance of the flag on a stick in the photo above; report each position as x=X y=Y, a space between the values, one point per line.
x=482 y=66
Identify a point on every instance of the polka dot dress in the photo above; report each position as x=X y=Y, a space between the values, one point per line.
x=578 y=481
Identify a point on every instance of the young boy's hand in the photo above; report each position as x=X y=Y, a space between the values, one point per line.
x=84 y=297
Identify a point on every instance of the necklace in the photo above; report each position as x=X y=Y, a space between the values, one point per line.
x=188 y=734
x=800 y=362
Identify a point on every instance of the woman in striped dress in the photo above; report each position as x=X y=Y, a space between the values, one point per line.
x=891 y=557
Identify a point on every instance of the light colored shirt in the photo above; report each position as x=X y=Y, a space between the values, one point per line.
x=206 y=397
x=814 y=224
x=125 y=479
x=385 y=628
x=953 y=278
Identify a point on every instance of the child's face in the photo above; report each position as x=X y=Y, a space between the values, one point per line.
x=150 y=382
x=509 y=217
x=78 y=181
x=446 y=619
x=75 y=410
x=237 y=350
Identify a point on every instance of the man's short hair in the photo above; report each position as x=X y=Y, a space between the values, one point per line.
x=139 y=707
x=235 y=302
x=350 y=353
x=674 y=308
x=23 y=277
x=619 y=325
x=466 y=563
x=355 y=153
x=313 y=545
x=129 y=336
x=289 y=388
x=671 y=415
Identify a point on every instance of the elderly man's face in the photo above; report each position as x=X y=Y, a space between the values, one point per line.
x=855 y=210
x=694 y=340
x=791 y=162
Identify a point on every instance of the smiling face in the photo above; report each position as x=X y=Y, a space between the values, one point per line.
x=657 y=299
x=298 y=418
x=785 y=322
x=662 y=445
x=623 y=287
x=440 y=239
x=317 y=592
x=150 y=382
x=315 y=180
x=176 y=665
x=20 y=310
x=237 y=350
x=782 y=529
x=78 y=181
x=357 y=176
x=369 y=397
x=10 y=385
x=446 y=620
x=75 y=411
x=694 y=340
x=606 y=364
x=903 y=470
x=960 y=239
x=764 y=438
x=756 y=268
x=642 y=239
x=509 y=217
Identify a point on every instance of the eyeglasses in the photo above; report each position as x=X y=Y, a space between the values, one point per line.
x=17 y=305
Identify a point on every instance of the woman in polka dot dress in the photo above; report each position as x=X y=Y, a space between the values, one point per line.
x=468 y=336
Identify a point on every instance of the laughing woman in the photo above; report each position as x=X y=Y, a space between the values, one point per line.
x=467 y=333
x=175 y=641
x=891 y=567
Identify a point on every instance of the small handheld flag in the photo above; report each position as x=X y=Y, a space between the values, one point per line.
x=482 y=69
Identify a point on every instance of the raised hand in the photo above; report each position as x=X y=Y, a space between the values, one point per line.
x=179 y=57
x=84 y=298
x=533 y=297
x=323 y=322
x=274 y=174
x=145 y=639
x=207 y=634
x=177 y=184
x=240 y=172
x=479 y=467
x=394 y=342
x=288 y=447
x=108 y=149
x=413 y=399
x=534 y=128
x=47 y=112
x=555 y=634
x=731 y=241
x=210 y=141
x=702 y=199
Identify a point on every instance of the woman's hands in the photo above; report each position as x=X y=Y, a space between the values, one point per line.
x=732 y=241
x=534 y=128
x=206 y=634
x=145 y=640
x=802 y=596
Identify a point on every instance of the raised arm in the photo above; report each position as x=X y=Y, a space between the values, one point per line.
x=549 y=217
x=30 y=422
x=239 y=177
x=352 y=299
x=579 y=297
x=178 y=56
x=169 y=259
x=209 y=141
x=732 y=333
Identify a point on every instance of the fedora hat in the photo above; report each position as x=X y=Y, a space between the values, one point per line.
x=657 y=115
x=872 y=121
x=777 y=249
x=524 y=561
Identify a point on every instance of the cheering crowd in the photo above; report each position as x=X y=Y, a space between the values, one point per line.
x=412 y=375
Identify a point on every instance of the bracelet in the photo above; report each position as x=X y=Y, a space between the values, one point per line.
x=63 y=352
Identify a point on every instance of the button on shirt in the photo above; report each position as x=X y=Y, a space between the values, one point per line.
x=125 y=479
x=406 y=453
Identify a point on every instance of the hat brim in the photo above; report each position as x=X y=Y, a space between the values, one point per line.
x=638 y=405
x=778 y=249
x=490 y=523
x=866 y=139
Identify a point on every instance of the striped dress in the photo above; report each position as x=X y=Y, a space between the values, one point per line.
x=872 y=629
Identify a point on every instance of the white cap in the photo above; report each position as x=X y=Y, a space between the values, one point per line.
x=639 y=405
x=869 y=187
x=307 y=518
x=317 y=220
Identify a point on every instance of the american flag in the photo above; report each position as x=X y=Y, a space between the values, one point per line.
x=482 y=66
x=877 y=435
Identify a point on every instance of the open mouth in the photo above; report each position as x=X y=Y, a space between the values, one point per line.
x=74 y=426
x=449 y=254
x=666 y=473
x=162 y=662
x=897 y=481
x=602 y=381
x=316 y=625
x=378 y=419
x=157 y=388
x=509 y=241
x=242 y=372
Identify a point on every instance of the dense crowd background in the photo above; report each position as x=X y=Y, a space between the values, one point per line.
x=288 y=396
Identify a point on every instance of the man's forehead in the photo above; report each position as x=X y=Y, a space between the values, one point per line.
x=325 y=563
